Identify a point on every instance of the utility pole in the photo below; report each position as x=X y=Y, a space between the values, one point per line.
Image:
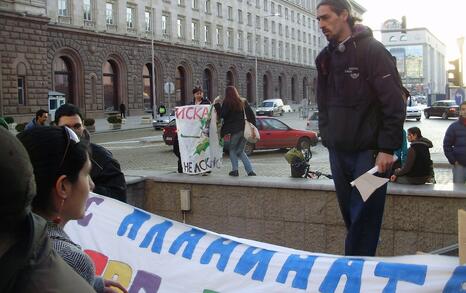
x=460 y=42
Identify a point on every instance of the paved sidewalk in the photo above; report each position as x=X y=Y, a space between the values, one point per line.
x=131 y=122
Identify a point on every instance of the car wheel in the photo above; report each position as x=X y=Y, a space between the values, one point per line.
x=418 y=119
x=304 y=143
x=249 y=148
x=281 y=113
x=445 y=115
x=426 y=114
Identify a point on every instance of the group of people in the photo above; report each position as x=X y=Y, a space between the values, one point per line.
x=47 y=174
x=232 y=111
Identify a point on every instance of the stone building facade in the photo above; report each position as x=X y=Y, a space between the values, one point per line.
x=98 y=70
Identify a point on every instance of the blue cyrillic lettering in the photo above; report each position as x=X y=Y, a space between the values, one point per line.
x=302 y=267
x=350 y=267
x=135 y=219
x=223 y=249
x=191 y=237
x=249 y=259
x=158 y=232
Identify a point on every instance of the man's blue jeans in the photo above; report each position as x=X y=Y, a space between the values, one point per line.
x=236 y=150
x=363 y=219
x=459 y=174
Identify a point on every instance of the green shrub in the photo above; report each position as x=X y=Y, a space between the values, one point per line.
x=9 y=120
x=114 y=119
x=89 y=121
x=20 y=126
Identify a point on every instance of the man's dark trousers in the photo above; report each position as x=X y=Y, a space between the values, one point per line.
x=363 y=219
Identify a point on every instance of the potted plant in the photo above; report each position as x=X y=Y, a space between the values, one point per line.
x=89 y=123
x=115 y=122
x=11 y=122
x=20 y=127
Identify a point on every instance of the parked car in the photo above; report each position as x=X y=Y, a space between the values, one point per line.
x=312 y=122
x=274 y=135
x=413 y=111
x=169 y=132
x=162 y=121
x=287 y=109
x=270 y=107
x=277 y=135
x=443 y=108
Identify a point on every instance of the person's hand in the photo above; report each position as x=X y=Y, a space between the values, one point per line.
x=384 y=162
x=393 y=178
x=457 y=163
x=109 y=283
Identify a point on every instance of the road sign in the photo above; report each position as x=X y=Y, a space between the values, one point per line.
x=169 y=87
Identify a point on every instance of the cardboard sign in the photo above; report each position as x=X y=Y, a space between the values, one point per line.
x=201 y=146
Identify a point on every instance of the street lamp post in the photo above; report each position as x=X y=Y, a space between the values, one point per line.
x=255 y=54
x=154 y=104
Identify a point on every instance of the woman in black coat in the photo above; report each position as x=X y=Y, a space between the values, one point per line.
x=234 y=108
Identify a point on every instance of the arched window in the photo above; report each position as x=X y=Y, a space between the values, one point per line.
x=21 y=73
x=180 y=86
x=293 y=89
x=250 y=87
x=265 y=90
x=94 y=88
x=207 y=84
x=230 y=78
x=63 y=78
x=305 y=89
x=148 y=101
x=280 y=87
x=110 y=78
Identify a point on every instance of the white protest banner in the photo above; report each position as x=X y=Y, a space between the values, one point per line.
x=201 y=149
x=147 y=252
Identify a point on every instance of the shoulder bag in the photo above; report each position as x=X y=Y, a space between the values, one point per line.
x=251 y=134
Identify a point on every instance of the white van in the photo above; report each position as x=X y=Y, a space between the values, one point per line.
x=270 y=107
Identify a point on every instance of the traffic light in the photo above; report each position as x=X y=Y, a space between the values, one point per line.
x=403 y=24
x=454 y=74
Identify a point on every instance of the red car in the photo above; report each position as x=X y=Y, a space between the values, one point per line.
x=274 y=135
x=169 y=133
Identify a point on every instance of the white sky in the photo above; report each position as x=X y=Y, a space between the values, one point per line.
x=446 y=19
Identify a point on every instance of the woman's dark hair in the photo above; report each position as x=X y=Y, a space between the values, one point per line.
x=197 y=89
x=46 y=147
x=232 y=99
x=415 y=131
x=338 y=6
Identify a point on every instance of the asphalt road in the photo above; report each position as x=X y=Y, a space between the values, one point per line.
x=142 y=149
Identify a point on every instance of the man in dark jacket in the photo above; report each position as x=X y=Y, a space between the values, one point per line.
x=454 y=146
x=106 y=172
x=27 y=261
x=361 y=115
x=39 y=120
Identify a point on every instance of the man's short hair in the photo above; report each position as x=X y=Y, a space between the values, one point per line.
x=197 y=89
x=41 y=112
x=67 y=110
